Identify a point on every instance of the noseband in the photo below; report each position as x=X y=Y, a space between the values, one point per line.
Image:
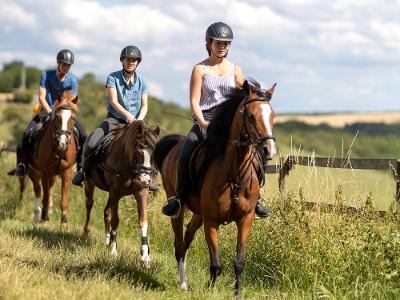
x=57 y=133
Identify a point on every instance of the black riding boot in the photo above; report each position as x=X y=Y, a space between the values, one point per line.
x=80 y=175
x=173 y=205
x=261 y=211
x=22 y=167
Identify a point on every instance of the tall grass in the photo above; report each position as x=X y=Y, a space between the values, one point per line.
x=295 y=254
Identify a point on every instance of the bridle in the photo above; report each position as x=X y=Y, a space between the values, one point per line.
x=57 y=133
x=258 y=139
x=254 y=140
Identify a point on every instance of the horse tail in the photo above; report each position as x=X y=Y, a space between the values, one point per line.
x=164 y=146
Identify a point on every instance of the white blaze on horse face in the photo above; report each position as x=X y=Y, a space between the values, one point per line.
x=145 y=178
x=65 y=115
x=267 y=115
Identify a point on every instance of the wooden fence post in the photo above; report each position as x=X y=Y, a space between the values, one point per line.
x=284 y=169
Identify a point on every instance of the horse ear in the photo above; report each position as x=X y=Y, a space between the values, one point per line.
x=246 y=87
x=75 y=100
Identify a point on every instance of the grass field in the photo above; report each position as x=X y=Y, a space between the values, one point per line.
x=295 y=254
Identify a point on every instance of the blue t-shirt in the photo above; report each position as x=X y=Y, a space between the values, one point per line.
x=54 y=86
x=130 y=97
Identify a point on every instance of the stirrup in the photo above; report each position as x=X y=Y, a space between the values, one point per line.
x=79 y=178
x=172 y=207
x=261 y=211
x=20 y=170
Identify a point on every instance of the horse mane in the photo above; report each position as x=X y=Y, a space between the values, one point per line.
x=219 y=127
x=64 y=100
x=137 y=131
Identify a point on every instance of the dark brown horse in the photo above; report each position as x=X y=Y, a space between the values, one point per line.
x=55 y=155
x=127 y=170
x=239 y=139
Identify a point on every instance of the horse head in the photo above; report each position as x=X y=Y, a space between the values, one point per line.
x=258 y=117
x=140 y=150
x=65 y=110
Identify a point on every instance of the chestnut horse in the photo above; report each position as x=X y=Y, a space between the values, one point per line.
x=239 y=140
x=55 y=155
x=126 y=170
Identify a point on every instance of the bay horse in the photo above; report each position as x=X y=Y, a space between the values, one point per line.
x=126 y=170
x=55 y=154
x=239 y=140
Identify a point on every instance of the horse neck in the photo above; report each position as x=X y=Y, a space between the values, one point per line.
x=236 y=152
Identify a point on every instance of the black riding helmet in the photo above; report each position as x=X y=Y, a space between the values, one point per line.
x=65 y=56
x=219 y=31
x=131 y=52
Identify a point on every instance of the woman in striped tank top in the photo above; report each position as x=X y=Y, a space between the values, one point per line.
x=210 y=84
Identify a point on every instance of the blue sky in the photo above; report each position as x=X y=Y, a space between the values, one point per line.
x=325 y=55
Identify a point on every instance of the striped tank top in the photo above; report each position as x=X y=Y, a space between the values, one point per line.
x=215 y=89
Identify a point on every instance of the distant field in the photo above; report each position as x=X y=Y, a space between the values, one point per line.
x=341 y=119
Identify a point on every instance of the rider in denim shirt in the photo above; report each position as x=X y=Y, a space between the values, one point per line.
x=128 y=97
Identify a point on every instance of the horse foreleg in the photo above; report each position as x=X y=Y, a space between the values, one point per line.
x=141 y=201
x=51 y=193
x=89 y=191
x=22 y=186
x=45 y=200
x=191 y=229
x=65 y=183
x=111 y=222
x=211 y=234
x=37 y=189
x=244 y=228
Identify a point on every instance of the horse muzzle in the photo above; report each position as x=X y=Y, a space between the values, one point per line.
x=269 y=149
x=145 y=178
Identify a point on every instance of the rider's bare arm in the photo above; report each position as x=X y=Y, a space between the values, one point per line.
x=42 y=99
x=195 y=93
x=112 y=94
x=144 y=106
x=239 y=76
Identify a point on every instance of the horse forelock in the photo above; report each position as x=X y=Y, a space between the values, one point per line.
x=134 y=133
x=65 y=102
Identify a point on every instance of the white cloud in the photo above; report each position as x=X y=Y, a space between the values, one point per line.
x=12 y=14
x=342 y=53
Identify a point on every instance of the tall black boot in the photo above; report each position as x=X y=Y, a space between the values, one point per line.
x=82 y=168
x=22 y=167
x=173 y=205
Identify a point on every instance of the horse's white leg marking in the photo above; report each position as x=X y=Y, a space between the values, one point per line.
x=113 y=244
x=145 y=178
x=267 y=112
x=65 y=115
x=144 y=248
x=36 y=211
x=108 y=237
x=182 y=274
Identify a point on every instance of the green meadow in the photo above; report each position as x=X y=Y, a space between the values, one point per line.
x=298 y=253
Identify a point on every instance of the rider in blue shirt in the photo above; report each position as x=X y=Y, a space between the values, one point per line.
x=52 y=83
x=128 y=97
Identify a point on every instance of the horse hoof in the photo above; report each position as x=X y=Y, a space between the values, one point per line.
x=114 y=252
x=184 y=286
x=64 y=226
x=146 y=262
x=36 y=218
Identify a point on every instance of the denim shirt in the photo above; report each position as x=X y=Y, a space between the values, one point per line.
x=129 y=97
x=53 y=86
